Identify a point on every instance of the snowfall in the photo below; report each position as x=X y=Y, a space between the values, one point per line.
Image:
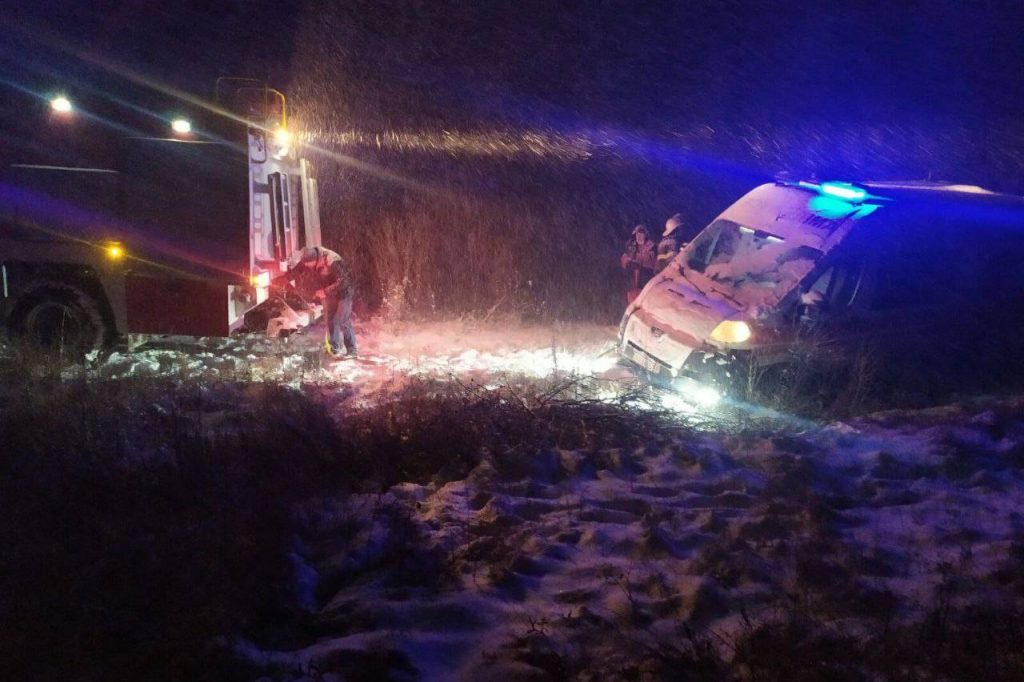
x=732 y=520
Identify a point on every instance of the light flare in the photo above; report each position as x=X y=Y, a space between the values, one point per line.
x=674 y=402
x=690 y=399
x=530 y=363
x=61 y=104
x=282 y=142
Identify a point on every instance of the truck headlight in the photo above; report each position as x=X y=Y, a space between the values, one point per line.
x=731 y=331
x=114 y=250
x=283 y=142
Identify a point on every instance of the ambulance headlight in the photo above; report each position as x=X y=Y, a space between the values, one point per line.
x=731 y=331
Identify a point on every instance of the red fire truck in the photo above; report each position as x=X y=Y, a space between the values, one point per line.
x=177 y=232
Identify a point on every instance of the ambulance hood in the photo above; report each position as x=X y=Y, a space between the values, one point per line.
x=685 y=312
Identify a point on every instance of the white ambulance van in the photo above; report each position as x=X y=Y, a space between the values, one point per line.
x=909 y=268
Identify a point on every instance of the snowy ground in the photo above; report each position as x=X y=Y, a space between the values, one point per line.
x=631 y=563
x=389 y=353
x=607 y=561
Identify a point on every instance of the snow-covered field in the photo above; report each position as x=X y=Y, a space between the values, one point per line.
x=714 y=549
x=608 y=564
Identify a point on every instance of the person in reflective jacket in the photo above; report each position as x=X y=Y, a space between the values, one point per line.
x=324 y=274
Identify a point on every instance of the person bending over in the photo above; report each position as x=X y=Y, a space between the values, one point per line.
x=323 y=274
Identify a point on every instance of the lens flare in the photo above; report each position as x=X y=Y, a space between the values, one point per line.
x=61 y=104
x=283 y=137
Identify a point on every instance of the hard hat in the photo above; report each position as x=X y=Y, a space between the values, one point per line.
x=672 y=223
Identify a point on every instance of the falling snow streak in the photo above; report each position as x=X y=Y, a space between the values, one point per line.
x=502 y=145
x=744 y=152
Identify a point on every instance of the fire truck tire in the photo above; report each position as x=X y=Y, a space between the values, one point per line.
x=61 y=317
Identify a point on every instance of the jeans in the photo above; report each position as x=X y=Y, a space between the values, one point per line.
x=338 y=311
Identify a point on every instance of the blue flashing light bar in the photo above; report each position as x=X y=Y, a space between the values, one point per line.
x=835 y=189
x=843 y=190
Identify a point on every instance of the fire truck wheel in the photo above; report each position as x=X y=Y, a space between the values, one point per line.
x=63 y=319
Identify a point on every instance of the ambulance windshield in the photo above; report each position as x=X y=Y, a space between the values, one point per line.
x=750 y=266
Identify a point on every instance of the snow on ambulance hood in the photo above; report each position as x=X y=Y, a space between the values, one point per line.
x=679 y=308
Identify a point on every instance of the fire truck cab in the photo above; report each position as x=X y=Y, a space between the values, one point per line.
x=174 y=231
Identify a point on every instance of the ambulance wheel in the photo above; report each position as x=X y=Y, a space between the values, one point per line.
x=62 y=319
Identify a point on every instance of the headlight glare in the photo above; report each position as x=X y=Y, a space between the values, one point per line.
x=731 y=331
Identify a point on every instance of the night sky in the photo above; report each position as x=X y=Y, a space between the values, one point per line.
x=666 y=64
x=653 y=66
x=552 y=127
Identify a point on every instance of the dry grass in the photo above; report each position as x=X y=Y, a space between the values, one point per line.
x=144 y=521
x=504 y=238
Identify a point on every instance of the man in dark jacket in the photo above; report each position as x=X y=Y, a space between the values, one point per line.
x=315 y=266
x=638 y=260
x=670 y=242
